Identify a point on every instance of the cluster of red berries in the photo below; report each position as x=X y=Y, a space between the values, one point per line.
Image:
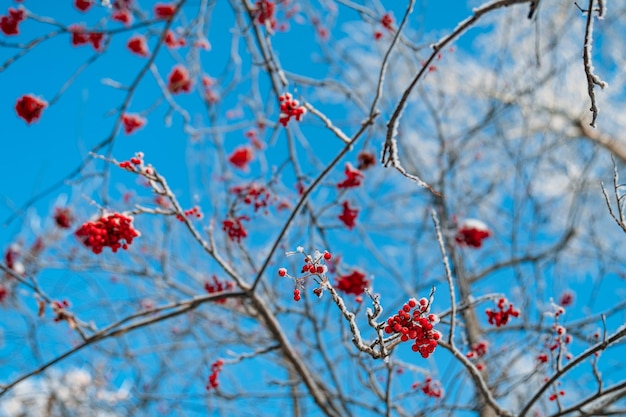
x=216 y=368
x=353 y=177
x=366 y=160
x=179 y=80
x=63 y=217
x=114 y=230
x=8 y=24
x=387 y=22
x=561 y=339
x=502 y=315
x=135 y=164
x=471 y=233
x=164 y=11
x=83 y=5
x=29 y=107
x=210 y=95
x=353 y=283
x=81 y=37
x=234 y=228
x=12 y=256
x=313 y=265
x=241 y=157
x=264 y=11
x=416 y=326
x=132 y=122
x=218 y=286
x=60 y=310
x=478 y=350
x=430 y=387
x=554 y=396
x=122 y=12
x=195 y=211
x=567 y=298
x=289 y=107
x=171 y=41
x=123 y=16
x=138 y=45
x=348 y=215
x=252 y=194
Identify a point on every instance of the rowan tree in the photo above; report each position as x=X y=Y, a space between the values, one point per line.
x=337 y=208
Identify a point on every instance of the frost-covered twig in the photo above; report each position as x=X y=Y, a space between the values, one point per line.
x=592 y=78
x=446 y=264
x=620 y=211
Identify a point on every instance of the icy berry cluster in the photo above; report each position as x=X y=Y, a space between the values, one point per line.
x=430 y=387
x=417 y=326
x=164 y=11
x=195 y=211
x=265 y=10
x=366 y=160
x=8 y=24
x=501 y=316
x=216 y=368
x=63 y=217
x=471 y=233
x=478 y=350
x=59 y=308
x=179 y=80
x=234 y=228
x=353 y=283
x=29 y=107
x=80 y=36
x=132 y=122
x=253 y=194
x=241 y=157
x=136 y=164
x=314 y=265
x=348 y=215
x=138 y=45
x=218 y=286
x=114 y=231
x=353 y=177
x=289 y=107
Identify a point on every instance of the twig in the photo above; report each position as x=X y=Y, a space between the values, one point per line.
x=592 y=79
x=446 y=264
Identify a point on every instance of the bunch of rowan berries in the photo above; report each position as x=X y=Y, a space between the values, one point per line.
x=216 y=368
x=314 y=265
x=417 y=325
x=430 y=387
x=218 y=286
x=471 y=233
x=289 y=107
x=136 y=165
x=195 y=211
x=235 y=229
x=478 y=350
x=113 y=230
x=502 y=315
